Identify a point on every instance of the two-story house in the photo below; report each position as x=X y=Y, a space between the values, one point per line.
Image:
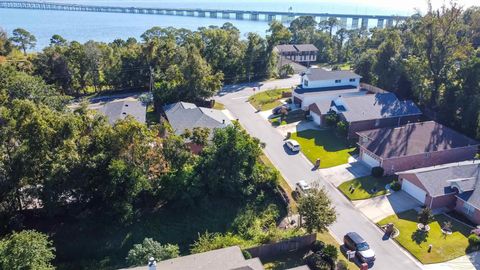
x=300 y=53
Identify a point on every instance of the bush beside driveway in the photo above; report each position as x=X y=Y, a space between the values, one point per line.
x=365 y=187
x=324 y=144
x=444 y=248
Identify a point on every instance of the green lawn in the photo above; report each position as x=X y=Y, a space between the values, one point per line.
x=366 y=187
x=218 y=106
x=444 y=248
x=324 y=144
x=267 y=100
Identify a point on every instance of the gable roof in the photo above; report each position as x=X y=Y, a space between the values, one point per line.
x=119 y=109
x=412 y=139
x=377 y=106
x=296 y=48
x=437 y=180
x=320 y=74
x=219 y=259
x=183 y=115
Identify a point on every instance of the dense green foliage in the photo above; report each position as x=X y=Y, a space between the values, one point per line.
x=29 y=250
x=140 y=253
x=316 y=211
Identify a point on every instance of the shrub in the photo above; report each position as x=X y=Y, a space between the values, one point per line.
x=140 y=253
x=425 y=216
x=246 y=254
x=395 y=186
x=342 y=128
x=317 y=246
x=316 y=261
x=474 y=241
x=342 y=265
x=377 y=171
x=331 y=252
x=331 y=119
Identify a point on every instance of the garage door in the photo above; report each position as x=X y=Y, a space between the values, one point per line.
x=316 y=118
x=413 y=190
x=370 y=160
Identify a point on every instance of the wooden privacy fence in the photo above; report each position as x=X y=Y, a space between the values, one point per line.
x=289 y=245
x=372 y=89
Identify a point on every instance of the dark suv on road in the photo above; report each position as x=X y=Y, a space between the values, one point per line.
x=353 y=241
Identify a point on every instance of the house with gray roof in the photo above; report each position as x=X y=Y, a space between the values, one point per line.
x=120 y=108
x=318 y=84
x=300 y=53
x=229 y=258
x=367 y=112
x=183 y=115
x=414 y=145
x=454 y=186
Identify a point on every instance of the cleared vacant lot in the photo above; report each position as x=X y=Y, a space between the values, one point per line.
x=268 y=100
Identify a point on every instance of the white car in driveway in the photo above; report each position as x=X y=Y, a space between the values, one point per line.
x=303 y=188
x=293 y=145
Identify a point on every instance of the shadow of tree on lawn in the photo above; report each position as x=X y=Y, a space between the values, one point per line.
x=419 y=236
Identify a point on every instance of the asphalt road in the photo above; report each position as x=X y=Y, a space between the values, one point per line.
x=295 y=167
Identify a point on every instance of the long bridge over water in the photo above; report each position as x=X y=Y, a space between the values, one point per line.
x=346 y=20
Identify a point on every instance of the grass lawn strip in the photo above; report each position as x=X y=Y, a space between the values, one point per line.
x=267 y=100
x=444 y=248
x=366 y=187
x=218 y=106
x=324 y=144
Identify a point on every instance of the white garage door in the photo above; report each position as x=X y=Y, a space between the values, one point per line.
x=316 y=118
x=370 y=160
x=413 y=190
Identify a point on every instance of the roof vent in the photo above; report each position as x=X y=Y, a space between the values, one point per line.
x=126 y=105
x=124 y=113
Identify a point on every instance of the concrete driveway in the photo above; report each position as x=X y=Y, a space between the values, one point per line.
x=468 y=262
x=345 y=172
x=296 y=167
x=381 y=207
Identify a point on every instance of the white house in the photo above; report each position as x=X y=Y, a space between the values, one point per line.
x=318 y=85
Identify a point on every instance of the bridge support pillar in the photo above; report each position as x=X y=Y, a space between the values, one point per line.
x=343 y=22
x=380 y=23
x=364 y=23
x=213 y=14
x=254 y=16
x=179 y=13
x=190 y=13
x=239 y=15
x=271 y=17
x=389 y=22
x=201 y=14
x=170 y=12
x=354 y=23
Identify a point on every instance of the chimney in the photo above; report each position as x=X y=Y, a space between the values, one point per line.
x=223 y=121
x=152 y=264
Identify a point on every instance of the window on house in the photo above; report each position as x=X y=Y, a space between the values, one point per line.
x=428 y=155
x=377 y=122
x=338 y=81
x=352 y=80
x=468 y=209
x=305 y=82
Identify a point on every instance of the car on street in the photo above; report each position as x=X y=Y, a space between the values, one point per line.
x=278 y=110
x=354 y=242
x=303 y=188
x=293 y=145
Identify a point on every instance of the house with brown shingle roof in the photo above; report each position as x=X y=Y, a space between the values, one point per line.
x=415 y=145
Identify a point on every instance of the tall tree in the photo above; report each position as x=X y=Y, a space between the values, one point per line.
x=316 y=210
x=23 y=39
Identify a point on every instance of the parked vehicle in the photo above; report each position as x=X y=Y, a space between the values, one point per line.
x=353 y=241
x=278 y=110
x=293 y=145
x=303 y=188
